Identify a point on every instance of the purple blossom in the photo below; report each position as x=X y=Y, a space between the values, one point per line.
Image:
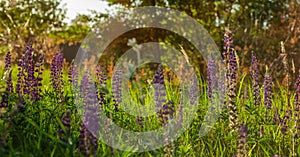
x=56 y=75
x=90 y=125
x=9 y=84
x=88 y=143
x=27 y=82
x=255 y=82
x=166 y=112
x=37 y=84
x=242 y=143
x=66 y=121
x=193 y=91
x=9 y=90
x=268 y=91
x=140 y=121
x=159 y=88
x=117 y=88
x=7 y=61
x=70 y=72
x=211 y=75
x=230 y=61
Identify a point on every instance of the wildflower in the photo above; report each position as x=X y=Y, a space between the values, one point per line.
x=255 y=81
x=211 y=75
x=117 y=88
x=101 y=84
x=70 y=72
x=193 y=92
x=268 y=91
x=56 y=75
x=242 y=143
x=159 y=88
x=90 y=124
x=37 y=84
x=7 y=61
x=88 y=143
x=140 y=121
x=26 y=78
x=66 y=121
x=166 y=112
x=231 y=63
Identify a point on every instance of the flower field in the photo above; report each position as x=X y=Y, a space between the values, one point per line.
x=40 y=114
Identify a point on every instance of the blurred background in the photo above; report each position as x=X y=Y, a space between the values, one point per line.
x=261 y=26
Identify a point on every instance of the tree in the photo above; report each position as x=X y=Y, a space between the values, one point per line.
x=24 y=21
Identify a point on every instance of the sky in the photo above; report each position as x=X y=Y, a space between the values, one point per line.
x=83 y=6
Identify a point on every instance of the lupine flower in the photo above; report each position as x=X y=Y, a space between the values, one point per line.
x=140 y=121
x=9 y=90
x=88 y=143
x=255 y=82
x=88 y=140
x=70 y=72
x=193 y=92
x=66 y=121
x=211 y=75
x=231 y=63
x=36 y=88
x=159 y=88
x=221 y=93
x=117 y=88
x=242 y=143
x=285 y=120
x=25 y=75
x=9 y=83
x=166 y=112
x=276 y=119
x=56 y=75
x=7 y=61
x=268 y=91
x=101 y=84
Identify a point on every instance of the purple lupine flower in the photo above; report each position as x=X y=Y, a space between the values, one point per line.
x=70 y=72
x=9 y=84
x=221 y=93
x=9 y=90
x=140 y=121
x=242 y=143
x=7 y=61
x=231 y=64
x=37 y=84
x=159 y=88
x=90 y=124
x=193 y=92
x=56 y=75
x=255 y=81
x=211 y=75
x=166 y=112
x=276 y=118
x=268 y=91
x=101 y=84
x=88 y=143
x=66 y=121
x=26 y=74
x=117 y=88
x=285 y=120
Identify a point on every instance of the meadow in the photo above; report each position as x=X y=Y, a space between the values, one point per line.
x=39 y=115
